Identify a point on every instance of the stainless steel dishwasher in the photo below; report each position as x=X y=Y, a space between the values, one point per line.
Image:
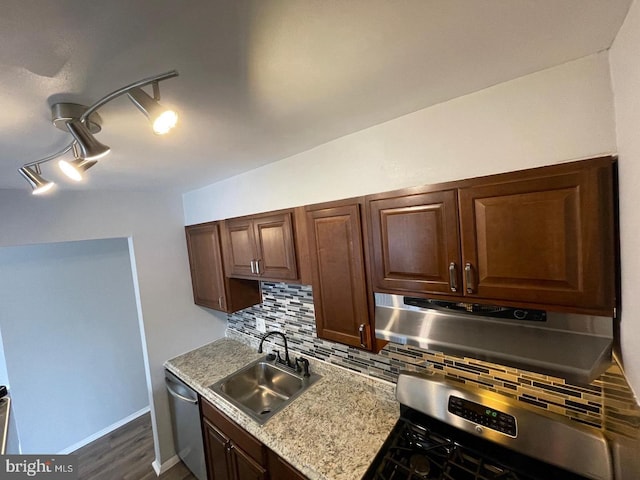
x=185 y=420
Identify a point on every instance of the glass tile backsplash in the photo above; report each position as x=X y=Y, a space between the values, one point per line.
x=606 y=403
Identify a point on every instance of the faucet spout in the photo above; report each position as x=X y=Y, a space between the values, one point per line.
x=287 y=360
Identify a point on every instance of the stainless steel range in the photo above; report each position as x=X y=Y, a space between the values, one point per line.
x=455 y=431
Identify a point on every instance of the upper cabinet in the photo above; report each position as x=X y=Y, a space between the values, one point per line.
x=415 y=241
x=542 y=238
x=539 y=238
x=211 y=288
x=340 y=295
x=261 y=247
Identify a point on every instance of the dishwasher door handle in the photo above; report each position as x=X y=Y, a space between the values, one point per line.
x=178 y=396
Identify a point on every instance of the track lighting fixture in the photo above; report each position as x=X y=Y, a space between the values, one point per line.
x=90 y=148
x=162 y=119
x=83 y=122
x=75 y=168
x=32 y=175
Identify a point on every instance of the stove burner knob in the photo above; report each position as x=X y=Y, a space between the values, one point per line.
x=479 y=429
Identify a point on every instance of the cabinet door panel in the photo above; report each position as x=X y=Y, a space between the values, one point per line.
x=245 y=467
x=205 y=259
x=537 y=240
x=536 y=231
x=239 y=247
x=414 y=242
x=276 y=250
x=216 y=451
x=339 y=281
x=281 y=470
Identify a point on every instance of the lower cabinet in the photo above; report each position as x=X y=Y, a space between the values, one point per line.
x=281 y=470
x=227 y=461
x=234 y=454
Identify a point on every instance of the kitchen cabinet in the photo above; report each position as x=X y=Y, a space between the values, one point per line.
x=211 y=287
x=415 y=240
x=542 y=238
x=231 y=453
x=261 y=247
x=281 y=470
x=337 y=257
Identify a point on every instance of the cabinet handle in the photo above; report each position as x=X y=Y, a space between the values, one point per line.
x=468 y=271
x=253 y=268
x=220 y=302
x=453 y=277
x=258 y=267
x=361 y=332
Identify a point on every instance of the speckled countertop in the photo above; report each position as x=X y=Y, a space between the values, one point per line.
x=331 y=432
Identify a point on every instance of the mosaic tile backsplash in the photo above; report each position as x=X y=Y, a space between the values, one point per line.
x=606 y=403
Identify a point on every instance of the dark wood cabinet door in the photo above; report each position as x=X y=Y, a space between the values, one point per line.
x=338 y=275
x=205 y=260
x=245 y=467
x=261 y=247
x=276 y=253
x=211 y=288
x=415 y=244
x=281 y=470
x=541 y=240
x=239 y=247
x=217 y=447
x=246 y=457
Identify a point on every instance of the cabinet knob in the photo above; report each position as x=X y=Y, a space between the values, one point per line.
x=468 y=272
x=453 y=277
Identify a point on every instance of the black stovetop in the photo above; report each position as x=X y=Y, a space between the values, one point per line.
x=423 y=448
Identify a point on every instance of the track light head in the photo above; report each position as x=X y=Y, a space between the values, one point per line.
x=90 y=148
x=75 y=168
x=38 y=184
x=162 y=119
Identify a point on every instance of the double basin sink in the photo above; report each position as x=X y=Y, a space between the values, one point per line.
x=263 y=388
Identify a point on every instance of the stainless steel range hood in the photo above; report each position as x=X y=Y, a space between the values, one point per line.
x=574 y=347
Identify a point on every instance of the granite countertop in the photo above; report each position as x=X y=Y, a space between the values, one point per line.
x=331 y=432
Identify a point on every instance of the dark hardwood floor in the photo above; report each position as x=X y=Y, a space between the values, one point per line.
x=125 y=454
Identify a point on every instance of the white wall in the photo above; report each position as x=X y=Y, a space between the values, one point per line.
x=154 y=222
x=625 y=73
x=556 y=115
x=72 y=340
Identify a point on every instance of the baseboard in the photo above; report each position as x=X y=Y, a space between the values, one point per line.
x=104 y=431
x=160 y=469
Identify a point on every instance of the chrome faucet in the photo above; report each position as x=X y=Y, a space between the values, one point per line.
x=287 y=360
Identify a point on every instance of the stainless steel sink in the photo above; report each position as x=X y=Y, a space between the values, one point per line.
x=263 y=388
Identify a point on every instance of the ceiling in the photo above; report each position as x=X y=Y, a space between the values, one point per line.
x=262 y=80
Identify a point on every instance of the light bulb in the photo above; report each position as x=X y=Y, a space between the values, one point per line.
x=165 y=122
x=75 y=168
